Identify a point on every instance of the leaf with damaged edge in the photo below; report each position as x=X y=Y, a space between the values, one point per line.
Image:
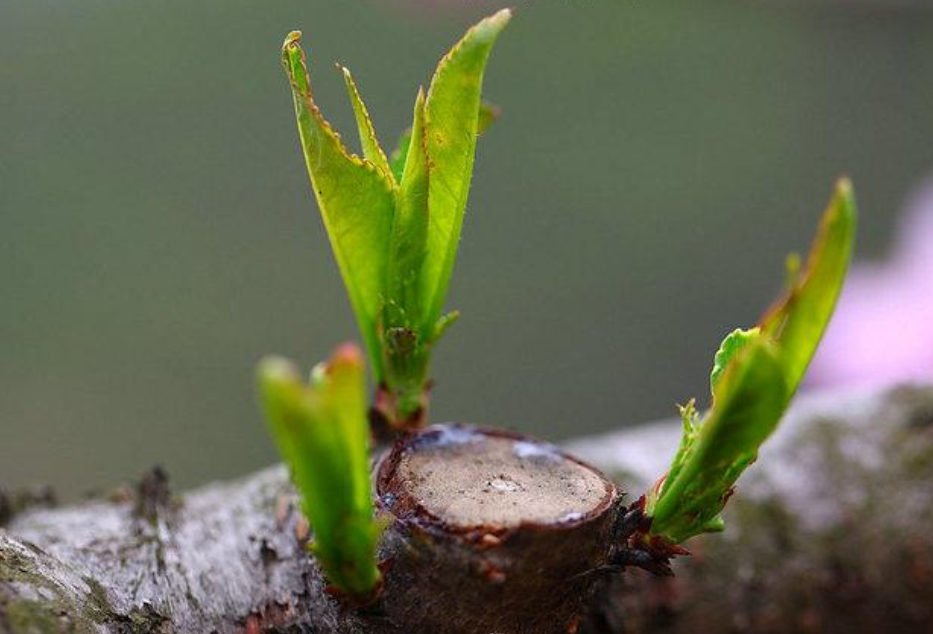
x=355 y=198
x=755 y=375
x=394 y=224
x=322 y=433
x=368 y=140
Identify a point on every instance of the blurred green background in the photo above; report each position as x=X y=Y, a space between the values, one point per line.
x=655 y=162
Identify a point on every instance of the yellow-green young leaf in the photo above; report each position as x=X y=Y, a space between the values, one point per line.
x=322 y=433
x=735 y=341
x=406 y=346
x=400 y=154
x=797 y=321
x=409 y=232
x=751 y=397
x=488 y=114
x=356 y=200
x=444 y=322
x=755 y=374
x=690 y=420
x=452 y=115
x=368 y=140
x=394 y=223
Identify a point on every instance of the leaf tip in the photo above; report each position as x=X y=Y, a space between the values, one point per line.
x=500 y=18
x=347 y=355
x=491 y=26
x=276 y=369
x=293 y=57
x=844 y=187
x=843 y=201
x=291 y=41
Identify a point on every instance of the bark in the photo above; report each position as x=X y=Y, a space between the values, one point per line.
x=494 y=532
x=831 y=532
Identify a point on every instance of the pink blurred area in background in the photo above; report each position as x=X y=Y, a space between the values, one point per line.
x=882 y=332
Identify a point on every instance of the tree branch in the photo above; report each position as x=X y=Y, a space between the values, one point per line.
x=830 y=532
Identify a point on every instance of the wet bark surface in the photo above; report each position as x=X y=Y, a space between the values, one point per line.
x=831 y=532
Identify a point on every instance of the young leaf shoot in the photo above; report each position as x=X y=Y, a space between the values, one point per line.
x=394 y=223
x=322 y=433
x=755 y=374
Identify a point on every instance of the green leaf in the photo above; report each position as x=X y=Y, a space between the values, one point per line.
x=405 y=343
x=409 y=231
x=394 y=224
x=690 y=419
x=755 y=374
x=750 y=400
x=368 y=140
x=321 y=431
x=488 y=114
x=797 y=321
x=400 y=154
x=735 y=341
x=356 y=199
x=443 y=323
x=451 y=113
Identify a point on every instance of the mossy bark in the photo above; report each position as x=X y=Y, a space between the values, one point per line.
x=831 y=532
